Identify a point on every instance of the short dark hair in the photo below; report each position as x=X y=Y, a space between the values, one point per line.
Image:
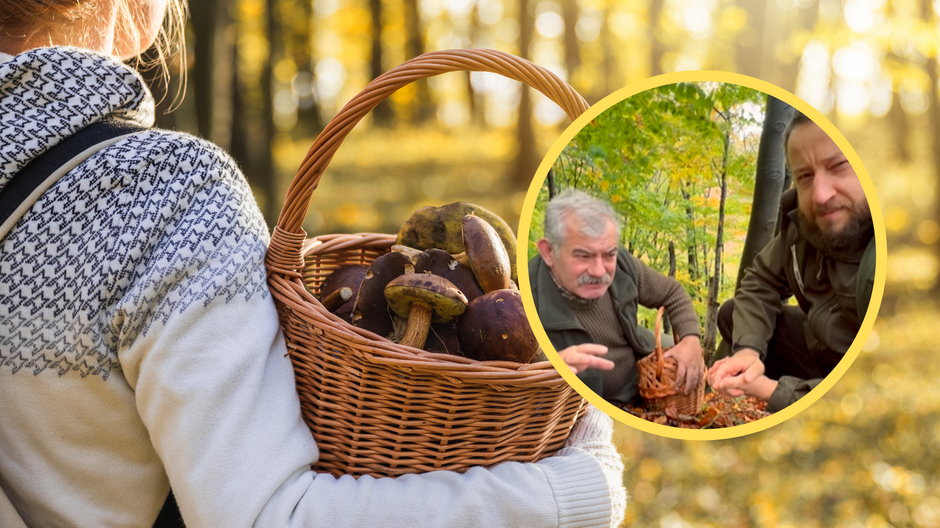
x=798 y=118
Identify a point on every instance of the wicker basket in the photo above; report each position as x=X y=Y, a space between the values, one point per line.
x=657 y=380
x=383 y=409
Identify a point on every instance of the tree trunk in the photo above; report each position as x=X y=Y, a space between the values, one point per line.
x=381 y=114
x=569 y=12
x=212 y=70
x=527 y=159
x=807 y=16
x=768 y=182
x=422 y=108
x=690 y=231
x=238 y=138
x=667 y=324
x=474 y=100
x=266 y=175
x=749 y=52
x=309 y=118
x=657 y=48
x=711 y=307
x=933 y=116
x=608 y=56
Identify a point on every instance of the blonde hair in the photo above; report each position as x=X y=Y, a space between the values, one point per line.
x=21 y=18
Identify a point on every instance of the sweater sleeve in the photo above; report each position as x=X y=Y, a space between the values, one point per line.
x=790 y=389
x=201 y=346
x=759 y=298
x=655 y=289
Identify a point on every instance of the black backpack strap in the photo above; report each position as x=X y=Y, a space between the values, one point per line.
x=27 y=185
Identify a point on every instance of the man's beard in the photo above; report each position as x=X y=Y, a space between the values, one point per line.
x=851 y=238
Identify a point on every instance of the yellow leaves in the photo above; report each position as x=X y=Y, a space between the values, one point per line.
x=897 y=219
x=928 y=232
x=732 y=20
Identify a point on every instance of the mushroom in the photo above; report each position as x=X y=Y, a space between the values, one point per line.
x=440 y=227
x=485 y=254
x=338 y=290
x=338 y=298
x=495 y=327
x=443 y=338
x=423 y=298
x=370 y=310
x=442 y=264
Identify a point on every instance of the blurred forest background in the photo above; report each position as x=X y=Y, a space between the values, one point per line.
x=264 y=75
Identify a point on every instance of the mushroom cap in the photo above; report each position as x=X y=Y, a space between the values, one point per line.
x=441 y=263
x=440 y=227
x=445 y=300
x=370 y=310
x=443 y=338
x=350 y=275
x=486 y=254
x=495 y=327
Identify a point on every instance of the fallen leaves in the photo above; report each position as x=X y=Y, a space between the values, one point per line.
x=717 y=411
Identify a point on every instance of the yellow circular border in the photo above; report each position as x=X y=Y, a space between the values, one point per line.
x=881 y=254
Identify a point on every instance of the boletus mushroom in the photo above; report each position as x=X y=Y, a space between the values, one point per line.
x=423 y=298
x=443 y=338
x=485 y=253
x=440 y=227
x=494 y=327
x=441 y=263
x=370 y=310
x=339 y=289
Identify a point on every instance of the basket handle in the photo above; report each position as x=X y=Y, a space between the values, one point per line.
x=288 y=235
x=658 y=332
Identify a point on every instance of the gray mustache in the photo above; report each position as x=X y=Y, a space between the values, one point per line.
x=586 y=278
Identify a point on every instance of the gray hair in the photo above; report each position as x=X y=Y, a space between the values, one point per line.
x=592 y=212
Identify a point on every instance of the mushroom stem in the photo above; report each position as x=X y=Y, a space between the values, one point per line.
x=336 y=299
x=416 y=329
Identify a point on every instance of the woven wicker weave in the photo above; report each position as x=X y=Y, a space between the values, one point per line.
x=657 y=380
x=379 y=408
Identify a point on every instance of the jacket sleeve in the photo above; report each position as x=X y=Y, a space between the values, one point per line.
x=760 y=297
x=789 y=389
x=655 y=289
x=202 y=348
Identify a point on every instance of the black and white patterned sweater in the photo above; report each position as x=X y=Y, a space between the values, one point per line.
x=139 y=345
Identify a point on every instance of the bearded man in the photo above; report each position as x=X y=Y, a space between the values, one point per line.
x=823 y=256
x=586 y=290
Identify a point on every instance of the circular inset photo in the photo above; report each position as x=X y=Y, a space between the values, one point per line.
x=704 y=255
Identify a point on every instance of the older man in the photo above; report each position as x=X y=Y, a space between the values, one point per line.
x=824 y=256
x=587 y=289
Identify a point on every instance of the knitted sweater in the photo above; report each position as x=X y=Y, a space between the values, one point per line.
x=140 y=348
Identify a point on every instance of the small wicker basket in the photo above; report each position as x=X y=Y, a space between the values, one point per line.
x=657 y=380
x=383 y=409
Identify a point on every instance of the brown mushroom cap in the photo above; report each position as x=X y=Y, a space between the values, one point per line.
x=486 y=254
x=350 y=277
x=441 y=263
x=495 y=327
x=443 y=338
x=370 y=310
x=423 y=298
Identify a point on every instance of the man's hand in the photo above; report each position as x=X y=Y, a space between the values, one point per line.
x=733 y=375
x=689 y=363
x=582 y=357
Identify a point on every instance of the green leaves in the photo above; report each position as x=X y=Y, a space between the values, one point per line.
x=658 y=157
